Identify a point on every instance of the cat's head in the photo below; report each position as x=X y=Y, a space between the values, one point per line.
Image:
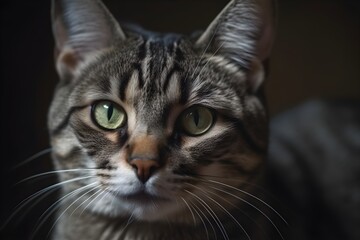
x=148 y=124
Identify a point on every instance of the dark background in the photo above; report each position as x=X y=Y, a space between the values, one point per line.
x=316 y=55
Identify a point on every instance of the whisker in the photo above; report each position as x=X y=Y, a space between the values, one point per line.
x=224 y=209
x=27 y=200
x=92 y=200
x=207 y=62
x=212 y=214
x=53 y=207
x=251 y=195
x=105 y=194
x=206 y=48
x=53 y=172
x=83 y=201
x=192 y=214
x=196 y=209
x=250 y=204
x=77 y=199
x=202 y=54
x=129 y=221
x=25 y=212
x=234 y=206
x=33 y=157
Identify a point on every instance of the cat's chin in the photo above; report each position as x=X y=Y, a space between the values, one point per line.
x=147 y=208
x=139 y=206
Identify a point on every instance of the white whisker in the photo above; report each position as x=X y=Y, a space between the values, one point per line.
x=224 y=209
x=53 y=172
x=207 y=62
x=83 y=201
x=33 y=157
x=196 y=209
x=234 y=206
x=26 y=210
x=192 y=214
x=54 y=207
x=212 y=214
x=92 y=200
x=206 y=48
x=27 y=200
x=252 y=205
x=251 y=195
x=68 y=195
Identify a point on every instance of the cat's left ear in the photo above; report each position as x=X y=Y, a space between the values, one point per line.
x=243 y=34
x=81 y=28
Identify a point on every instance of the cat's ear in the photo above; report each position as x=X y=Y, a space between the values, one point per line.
x=81 y=28
x=242 y=34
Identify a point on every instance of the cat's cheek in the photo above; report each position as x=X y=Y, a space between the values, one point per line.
x=64 y=144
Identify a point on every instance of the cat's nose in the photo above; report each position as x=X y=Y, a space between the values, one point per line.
x=144 y=168
x=144 y=155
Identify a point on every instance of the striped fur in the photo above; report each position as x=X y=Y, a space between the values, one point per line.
x=154 y=78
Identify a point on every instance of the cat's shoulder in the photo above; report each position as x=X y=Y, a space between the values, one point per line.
x=314 y=163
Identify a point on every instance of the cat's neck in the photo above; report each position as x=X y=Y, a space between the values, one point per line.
x=87 y=225
x=90 y=226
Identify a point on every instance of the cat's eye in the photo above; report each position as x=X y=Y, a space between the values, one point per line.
x=108 y=115
x=197 y=120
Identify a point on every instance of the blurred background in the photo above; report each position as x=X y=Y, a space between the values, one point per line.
x=316 y=55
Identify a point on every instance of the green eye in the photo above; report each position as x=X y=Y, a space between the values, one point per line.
x=108 y=115
x=197 y=120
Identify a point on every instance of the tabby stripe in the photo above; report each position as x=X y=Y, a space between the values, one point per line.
x=138 y=67
x=123 y=85
x=164 y=63
x=184 y=90
x=179 y=56
x=104 y=84
x=105 y=164
x=174 y=69
x=66 y=120
x=153 y=62
x=171 y=48
x=91 y=152
x=142 y=51
x=165 y=114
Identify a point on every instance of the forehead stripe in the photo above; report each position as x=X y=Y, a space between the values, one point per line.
x=137 y=67
x=124 y=81
x=174 y=69
x=184 y=90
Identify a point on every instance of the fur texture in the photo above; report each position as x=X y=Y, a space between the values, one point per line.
x=197 y=187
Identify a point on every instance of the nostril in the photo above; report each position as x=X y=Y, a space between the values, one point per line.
x=134 y=166
x=152 y=169
x=144 y=169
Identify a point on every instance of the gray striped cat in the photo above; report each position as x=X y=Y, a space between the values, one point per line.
x=160 y=136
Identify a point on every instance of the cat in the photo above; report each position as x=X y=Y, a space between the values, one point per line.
x=161 y=136
x=313 y=168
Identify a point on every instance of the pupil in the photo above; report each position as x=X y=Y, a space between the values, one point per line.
x=110 y=112
x=196 y=117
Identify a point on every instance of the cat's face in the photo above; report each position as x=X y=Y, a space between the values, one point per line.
x=151 y=127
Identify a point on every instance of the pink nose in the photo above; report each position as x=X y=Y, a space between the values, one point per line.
x=144 y=168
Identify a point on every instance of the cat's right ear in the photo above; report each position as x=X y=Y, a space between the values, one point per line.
x=81 y=28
